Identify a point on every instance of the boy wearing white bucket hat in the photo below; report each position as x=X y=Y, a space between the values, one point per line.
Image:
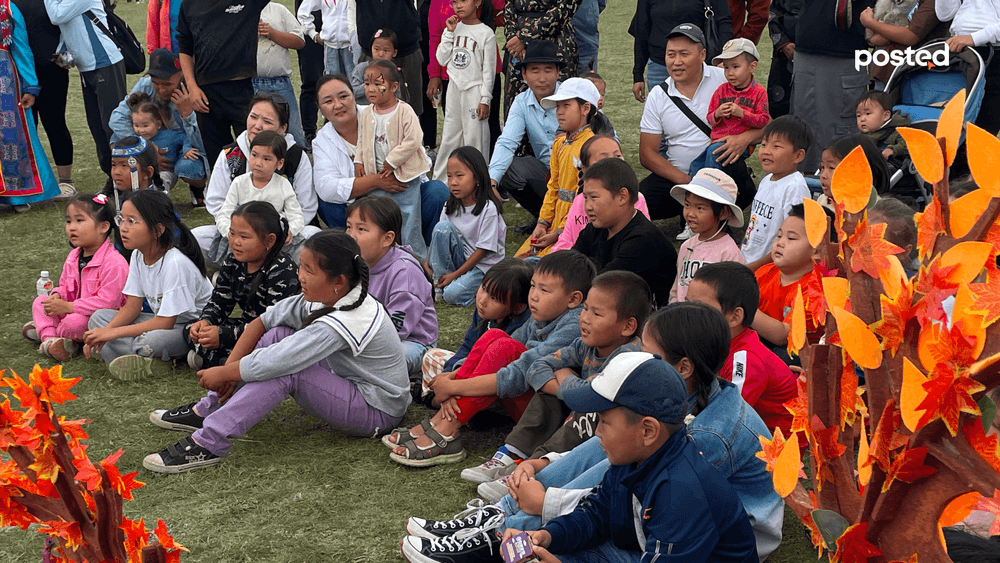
x=710 y=208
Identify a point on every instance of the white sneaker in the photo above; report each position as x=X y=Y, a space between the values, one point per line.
x=493 y=491
x=500 y=465
x=685 y=234
x=195 y=361
x=66 y=191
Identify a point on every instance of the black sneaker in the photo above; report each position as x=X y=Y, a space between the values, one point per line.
x=476 y=515
x=182 y=418
x=182 y=456
x=525 y=229
x=468 y=546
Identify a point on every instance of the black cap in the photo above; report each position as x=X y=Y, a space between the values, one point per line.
x=163 y=63
x=540 y=51
x=689 y=30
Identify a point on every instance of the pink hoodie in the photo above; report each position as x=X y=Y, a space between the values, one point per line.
x=439 y=13
x=101 y=284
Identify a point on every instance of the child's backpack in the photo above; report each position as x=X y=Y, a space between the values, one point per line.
x=121 y=34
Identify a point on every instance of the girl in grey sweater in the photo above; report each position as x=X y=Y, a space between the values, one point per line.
x=333 y=348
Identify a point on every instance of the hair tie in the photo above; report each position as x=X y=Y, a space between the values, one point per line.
x=135 y=150
x=177 y=216
x=101 y=199
x=356 y=256
x=378 y=34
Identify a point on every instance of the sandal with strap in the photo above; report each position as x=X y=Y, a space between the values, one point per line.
x=403 y=434
x=445 y=449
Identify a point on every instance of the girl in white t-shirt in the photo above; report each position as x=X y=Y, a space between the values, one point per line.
x=166 y=288
x=471 y=234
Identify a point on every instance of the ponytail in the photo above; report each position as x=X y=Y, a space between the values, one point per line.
x=338 y=255
x=155 y=208
x=596 y=120
x=265 y=220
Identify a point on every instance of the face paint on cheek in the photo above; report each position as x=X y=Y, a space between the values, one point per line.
x=382 y=89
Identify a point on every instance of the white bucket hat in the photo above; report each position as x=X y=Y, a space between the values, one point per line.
x=572 y=89
x=713 y=185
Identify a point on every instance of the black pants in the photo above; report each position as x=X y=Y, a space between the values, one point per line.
x=989 y=112
x=429 y=116
x=779 y=85
x=50 y=107
x=526 y=181
x=312 y=61
x=228 y=104
x=103 y=90
x=662 y=205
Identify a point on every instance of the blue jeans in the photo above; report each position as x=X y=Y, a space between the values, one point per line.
x=707 y=159
x=433 y=194
x=587 y=36
x=447 y=254
x=414 y=353
x=656 y=73
x=282 y=85
x=191 y=169
x=339 y=61
x=409 y=204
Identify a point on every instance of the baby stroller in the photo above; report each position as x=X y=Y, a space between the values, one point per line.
x=920 y=93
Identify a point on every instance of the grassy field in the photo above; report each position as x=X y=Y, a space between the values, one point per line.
x=293 y=490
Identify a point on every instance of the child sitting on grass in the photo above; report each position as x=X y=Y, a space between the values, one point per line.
x=709 y=210
x=878 y=122
x=784 y=146
x=92 y=278
x=738 y=105
x=689 y=512
x=256 y=274
x=396 y=278
x=612 y=319
x=498 y=365
x=765 y=382
x=794 y=265
x=619 y=237
x=501 y=303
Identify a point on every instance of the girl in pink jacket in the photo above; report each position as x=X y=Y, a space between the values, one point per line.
x=93 y=277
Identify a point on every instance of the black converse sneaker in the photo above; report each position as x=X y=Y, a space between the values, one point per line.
x=182 y=418
x=471 y=545
x=182 y=456
x=475 y=515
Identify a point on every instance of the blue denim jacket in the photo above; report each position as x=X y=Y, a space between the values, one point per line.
x=726 y=434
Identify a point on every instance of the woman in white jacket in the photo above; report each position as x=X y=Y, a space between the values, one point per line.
x=333 y=160
x=267 y=113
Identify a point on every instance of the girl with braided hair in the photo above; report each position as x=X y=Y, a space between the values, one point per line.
x=333 y=348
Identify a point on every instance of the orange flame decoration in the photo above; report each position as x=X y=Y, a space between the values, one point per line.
x=929 y=345
x=49 y=479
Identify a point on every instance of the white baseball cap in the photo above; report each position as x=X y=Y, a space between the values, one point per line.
x=572 y=89
x=734 y=47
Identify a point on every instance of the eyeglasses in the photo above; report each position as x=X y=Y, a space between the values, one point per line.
x=130 y=221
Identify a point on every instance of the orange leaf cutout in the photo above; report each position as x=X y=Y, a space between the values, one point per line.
x=797 y=331
x=851 y=184
x=984 y=159
x=864 y=468
x=911 y=394
x=988 y=295
x=783 y=460
x=908 y=467
x=965 y=211
x=968 y=320
x=969 y=259
x=985 y=446
x=882 y=436
x=850 y=396
x=854 y=547
x=925 y=152
x=958 y=509
x=816 y=222
x=871 y=248
x=991 y=505
x=836 y=291
x=929 y=226
x=949 y=125
x=799 y=407
x=825 y=447
x=895 y=314
x=894 y=277
x=948 y=396
x=857 y=339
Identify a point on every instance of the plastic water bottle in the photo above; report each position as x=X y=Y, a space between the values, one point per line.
x=44 y=285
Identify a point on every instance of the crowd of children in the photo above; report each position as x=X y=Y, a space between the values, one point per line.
x=620 y=359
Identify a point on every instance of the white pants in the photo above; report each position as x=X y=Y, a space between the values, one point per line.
x=461 y=127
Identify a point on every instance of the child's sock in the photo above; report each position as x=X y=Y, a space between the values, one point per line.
x=515 y=455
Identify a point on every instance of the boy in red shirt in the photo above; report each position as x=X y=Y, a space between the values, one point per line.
x=765 y=382
x=794 y=265
x=738 y=105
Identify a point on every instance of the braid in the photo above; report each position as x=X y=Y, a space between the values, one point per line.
x=362 y=267
x=157 y=182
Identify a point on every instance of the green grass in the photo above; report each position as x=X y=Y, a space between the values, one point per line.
x=293 y=490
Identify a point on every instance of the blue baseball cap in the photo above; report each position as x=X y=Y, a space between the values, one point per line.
x=638 y=381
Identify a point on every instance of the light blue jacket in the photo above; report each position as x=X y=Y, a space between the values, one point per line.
x=91 y=48
x=121 y=120
x=526 y=115
x=540 y=339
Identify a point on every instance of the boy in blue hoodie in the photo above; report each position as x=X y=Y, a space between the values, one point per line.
x=498 y=365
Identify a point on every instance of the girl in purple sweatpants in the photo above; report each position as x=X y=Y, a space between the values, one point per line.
x=334 y=349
